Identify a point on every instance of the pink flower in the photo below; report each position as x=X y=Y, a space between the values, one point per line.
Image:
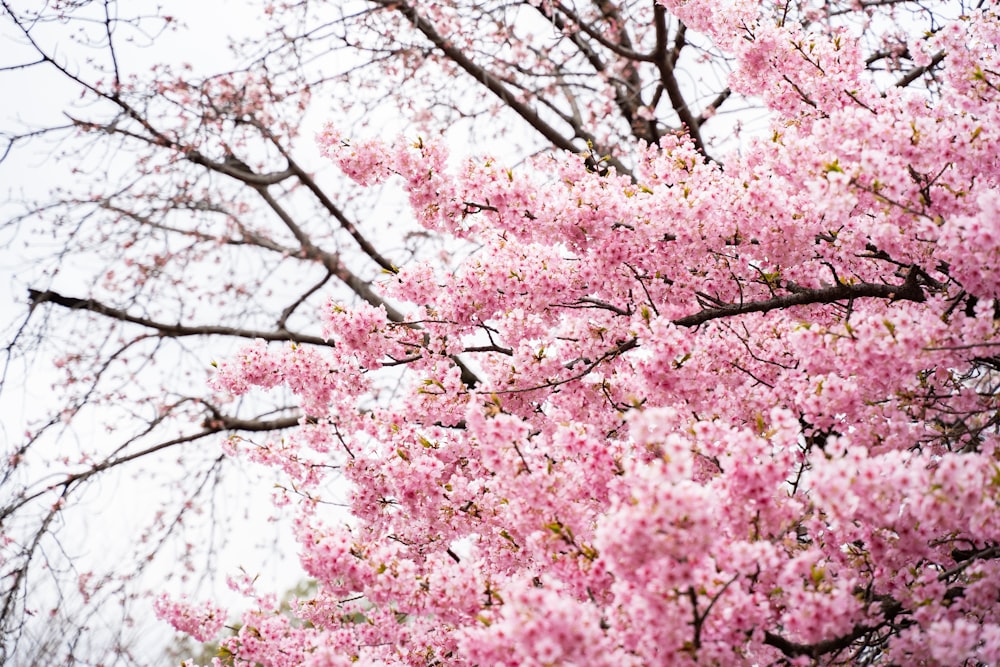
x=203 y=621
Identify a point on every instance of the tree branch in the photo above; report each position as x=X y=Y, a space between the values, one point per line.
x=918 y=72
x=910 y=290
x=37 y=297
x=666 y=57
x=491 y=82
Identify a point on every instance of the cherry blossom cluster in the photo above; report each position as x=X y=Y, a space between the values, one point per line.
x=203 y=621
x=702 y=413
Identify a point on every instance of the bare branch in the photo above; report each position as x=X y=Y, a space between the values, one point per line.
x=492 y=83
x=37 y=298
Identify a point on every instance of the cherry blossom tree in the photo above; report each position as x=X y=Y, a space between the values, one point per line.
x=618 y=382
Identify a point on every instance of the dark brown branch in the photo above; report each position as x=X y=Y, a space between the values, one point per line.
x=217 y=423
x=37 y=297
x=342 y=219
x=918 y=72
x=588 y=368
x=239 y=171
x=227 y=423
x=890 y=610
x=489 y=348
x=490 y=81
x=666 y=56
x=329 y=260
x=967 y=559
x=910 y=290
x=591 y=302
x=817 y=650
x=287 y=312
x=345 y=223
x=714 y=104
x=617 y=49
